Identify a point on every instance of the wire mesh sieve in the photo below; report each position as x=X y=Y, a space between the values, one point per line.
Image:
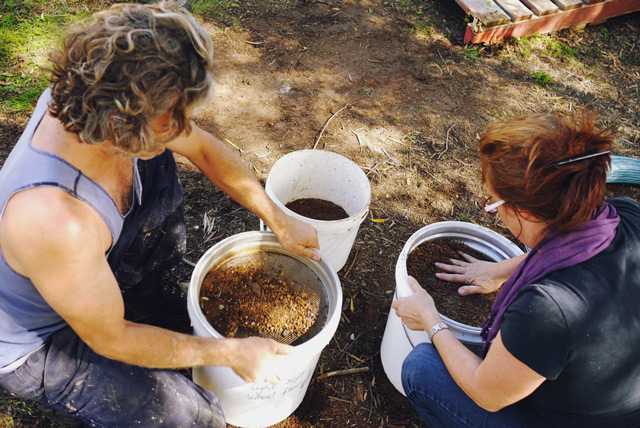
x=265 y=293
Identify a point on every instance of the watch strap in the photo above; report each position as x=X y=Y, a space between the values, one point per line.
x=435 y=329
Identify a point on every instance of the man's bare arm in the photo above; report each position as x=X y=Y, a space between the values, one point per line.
x=59 y=243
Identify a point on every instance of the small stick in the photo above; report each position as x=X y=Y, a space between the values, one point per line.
x=352 y=263
x=344 y=372
x=230 y=142
x=358 y=138
x=315 y=144
x=340 y=399
x=189 y=262
x=446 y=143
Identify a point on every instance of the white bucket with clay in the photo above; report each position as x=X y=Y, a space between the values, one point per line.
x=398 y=340
x=319 y=174
x=258 y=405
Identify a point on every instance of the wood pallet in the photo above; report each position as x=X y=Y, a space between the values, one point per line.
x=494 y=20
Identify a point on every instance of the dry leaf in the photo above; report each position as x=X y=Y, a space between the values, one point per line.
x=379 y=220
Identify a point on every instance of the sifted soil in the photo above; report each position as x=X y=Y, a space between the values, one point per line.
x=246 y=300
x=470 y=310
x=317 y=209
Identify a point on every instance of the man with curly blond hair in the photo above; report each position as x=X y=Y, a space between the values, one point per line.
x=91 y=216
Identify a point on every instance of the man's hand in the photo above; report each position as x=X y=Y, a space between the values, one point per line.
x=255 y=359
x=297 y=236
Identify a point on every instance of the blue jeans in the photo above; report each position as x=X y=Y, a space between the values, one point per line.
x=67 y=376
x=440 y=401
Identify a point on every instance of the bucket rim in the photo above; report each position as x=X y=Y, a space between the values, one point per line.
x=448 y=229
x=324 y=225
x=253 y=239
x=358 y=217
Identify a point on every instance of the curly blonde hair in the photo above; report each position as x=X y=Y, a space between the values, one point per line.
x=126 y=66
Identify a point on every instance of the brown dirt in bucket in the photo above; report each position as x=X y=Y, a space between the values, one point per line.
x=470 y=310
x=247 y=301
x=317 y=209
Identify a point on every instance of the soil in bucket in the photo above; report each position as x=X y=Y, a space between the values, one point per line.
x=470 y=310
x=317 y=209
x=247 y=300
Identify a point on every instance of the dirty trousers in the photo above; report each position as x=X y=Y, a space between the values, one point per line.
x=67 y=376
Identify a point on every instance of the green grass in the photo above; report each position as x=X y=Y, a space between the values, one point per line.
x=219 y=9
x=471 y=52
x=560 y=50
x=423 y=26
x=29 y=29
x=542 y=78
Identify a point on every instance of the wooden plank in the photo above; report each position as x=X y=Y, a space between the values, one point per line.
x=541 y=7
x=516 y=10
x=568 y=4
x=593 y=1
x=598 y=12
x=487 y=11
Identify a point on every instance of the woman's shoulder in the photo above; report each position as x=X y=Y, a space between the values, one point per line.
x=625 y=204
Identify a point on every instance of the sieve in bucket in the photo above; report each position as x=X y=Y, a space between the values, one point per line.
x=264 y=292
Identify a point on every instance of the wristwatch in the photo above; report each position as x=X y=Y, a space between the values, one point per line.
x=436 y=328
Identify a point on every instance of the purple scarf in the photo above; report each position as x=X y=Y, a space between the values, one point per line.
x=553 y=253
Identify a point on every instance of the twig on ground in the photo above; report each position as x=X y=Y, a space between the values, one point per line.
x=339 y=399
x=188 y=262
x=374 y=168
x=463 y=163
x=371 y=402
x=394 y=160
x=344 y=372
x=352 y=263
x=315 y=144
x=446 y=143
x=358 y=138
x=355 y=357
x=236 y=147
x=347 y=346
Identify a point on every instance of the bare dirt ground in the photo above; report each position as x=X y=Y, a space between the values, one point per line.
x=390 y=86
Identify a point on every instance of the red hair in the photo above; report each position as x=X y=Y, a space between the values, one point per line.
x=514 y=154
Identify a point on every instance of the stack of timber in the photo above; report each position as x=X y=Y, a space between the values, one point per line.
x=494 y=20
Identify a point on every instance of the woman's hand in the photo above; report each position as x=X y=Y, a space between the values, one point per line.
x=480 y=276
x=255 y=359
x=418 y=312
x=297 y=236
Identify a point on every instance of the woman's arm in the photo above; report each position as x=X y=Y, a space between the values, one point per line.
x=493 y=383
x=226 y=170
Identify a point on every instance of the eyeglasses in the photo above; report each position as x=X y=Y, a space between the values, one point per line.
x=492 y=208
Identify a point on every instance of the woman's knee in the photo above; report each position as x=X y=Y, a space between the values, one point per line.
x=421 y=361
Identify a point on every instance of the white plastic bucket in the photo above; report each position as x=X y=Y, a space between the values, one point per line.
x=258 y=405
x=320 y=174
x=398 y=340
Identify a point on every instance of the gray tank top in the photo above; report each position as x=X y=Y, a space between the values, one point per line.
x=26 y=320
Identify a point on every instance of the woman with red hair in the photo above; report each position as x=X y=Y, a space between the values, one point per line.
x=560 y=343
